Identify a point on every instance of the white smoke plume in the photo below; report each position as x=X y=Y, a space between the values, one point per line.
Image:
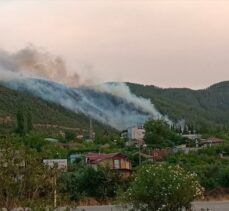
x=37 y=63
x=181 y=124
x=43 y=75
x=122 y=91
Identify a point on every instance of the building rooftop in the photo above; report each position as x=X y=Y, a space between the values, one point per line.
x=94 y=158
x=213 y=140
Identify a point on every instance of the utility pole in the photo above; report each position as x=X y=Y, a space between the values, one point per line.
x=139 y=152
x=91 y=130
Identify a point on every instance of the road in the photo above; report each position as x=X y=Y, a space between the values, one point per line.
x=197 y=206
x=212 y=205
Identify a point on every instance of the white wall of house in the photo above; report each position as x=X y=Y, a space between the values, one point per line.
x=136 y=133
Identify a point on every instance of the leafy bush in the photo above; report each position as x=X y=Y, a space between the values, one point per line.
x=163 y=187
x=101 y=183
x=224 y=177
x=23 y=177
x=206 y=163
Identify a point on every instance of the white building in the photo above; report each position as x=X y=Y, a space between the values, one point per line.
x=192 y=136
x=136 y=133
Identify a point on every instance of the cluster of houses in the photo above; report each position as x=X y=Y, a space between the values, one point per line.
x=120 y=162
x=114 y=161
x=135 y=136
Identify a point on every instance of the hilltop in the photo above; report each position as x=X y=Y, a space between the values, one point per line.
x=203 y=109
x=207 y=107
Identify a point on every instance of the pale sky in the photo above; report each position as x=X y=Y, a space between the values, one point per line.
x=168 y=43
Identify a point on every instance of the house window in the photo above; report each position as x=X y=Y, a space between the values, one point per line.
x=127 y=165
x=117 y=164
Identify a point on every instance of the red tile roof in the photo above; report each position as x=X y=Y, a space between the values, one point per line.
x=94 y=158
x=159 y=153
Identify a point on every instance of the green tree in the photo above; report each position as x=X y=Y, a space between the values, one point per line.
x=69 y=135
x=85 y=181
x=21 y=129
x=29 y=121
x=224 y=177
x=159 y=134
x=162 y=187
x=23 y=177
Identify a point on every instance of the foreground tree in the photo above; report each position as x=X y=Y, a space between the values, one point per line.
x=159 y=134
x=85 y=182
x=29 y=121
x=164 y=188
x=224 y=177
x=24 y=122
x=21 y=129
x=23 y=177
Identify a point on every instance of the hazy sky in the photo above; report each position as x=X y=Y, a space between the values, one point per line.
x=167 y=43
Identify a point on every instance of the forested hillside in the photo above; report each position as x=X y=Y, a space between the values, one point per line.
x=202 y=108
x=42 y=112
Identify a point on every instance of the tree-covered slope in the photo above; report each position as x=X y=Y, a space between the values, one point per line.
x=42 y=112
x=207 y=107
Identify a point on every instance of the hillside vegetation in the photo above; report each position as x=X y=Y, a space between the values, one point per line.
x=202 y=108
x=205 y=109
x=42 y=111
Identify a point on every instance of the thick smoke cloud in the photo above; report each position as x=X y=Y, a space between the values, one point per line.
x=104 y=107
x=40 y=74
x=121 y=90
x=37 y=63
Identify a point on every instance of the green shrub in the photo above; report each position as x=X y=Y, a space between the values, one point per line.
x=162 y=187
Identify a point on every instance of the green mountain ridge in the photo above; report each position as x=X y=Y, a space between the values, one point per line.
x=207 y=107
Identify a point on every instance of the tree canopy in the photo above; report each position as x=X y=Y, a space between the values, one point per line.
x=159 y=134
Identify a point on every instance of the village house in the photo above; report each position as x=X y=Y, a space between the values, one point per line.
x=134 y=136
x=212 y=141
x=134 y=133
x=192 y=136
x=115 y=161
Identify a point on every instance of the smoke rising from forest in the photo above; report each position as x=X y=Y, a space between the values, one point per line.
x=43 y=75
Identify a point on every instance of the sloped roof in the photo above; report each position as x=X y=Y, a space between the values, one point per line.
x=94 y=158
x=214 y=140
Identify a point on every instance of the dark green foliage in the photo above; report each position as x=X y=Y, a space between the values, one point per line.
x=24 y=122
x=159 y=134
x=41 y=112
x=203 y=109
x=22 y=176
x=224 y=177
x=21 y=126
x=29 y=121
x=89 y=182
x=35 y=141
x=69 y=135
x=212 y=170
